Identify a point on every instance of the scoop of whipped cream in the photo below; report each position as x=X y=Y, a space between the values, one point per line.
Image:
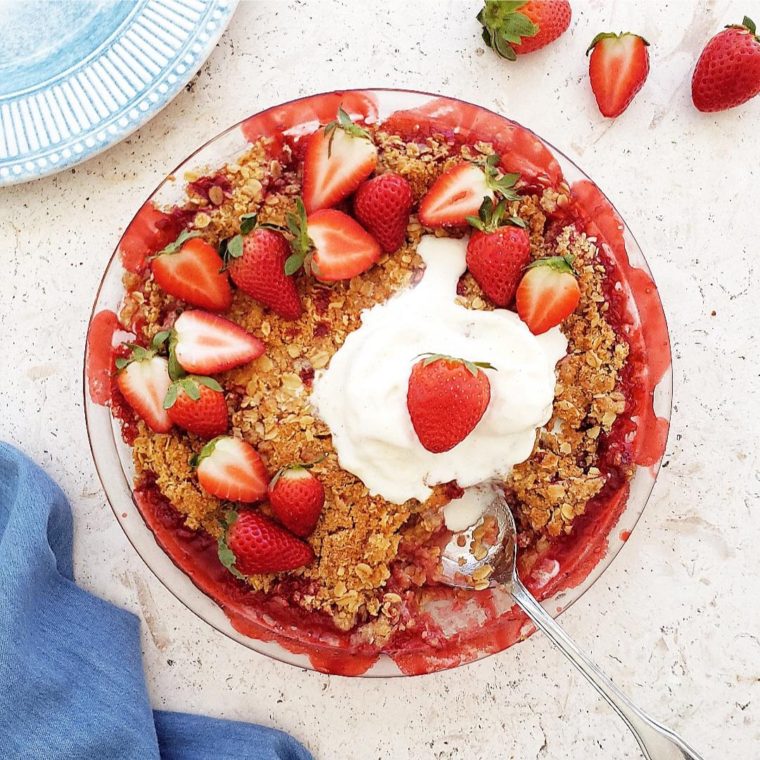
x=361 y=396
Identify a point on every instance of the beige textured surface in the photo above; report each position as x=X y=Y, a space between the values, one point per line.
x=676 y=618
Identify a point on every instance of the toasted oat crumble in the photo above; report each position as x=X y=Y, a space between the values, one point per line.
x=359 y=536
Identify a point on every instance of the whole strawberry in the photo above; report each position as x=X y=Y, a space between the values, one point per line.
x=254 y=544
x=497 y=252
x=516 y=27
x=297 y=497
x=728 y=71
x=446 y=399
x=256 y=259
x=382 y=205
x=197 y=405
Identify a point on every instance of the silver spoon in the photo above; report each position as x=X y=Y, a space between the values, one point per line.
x=497 y=567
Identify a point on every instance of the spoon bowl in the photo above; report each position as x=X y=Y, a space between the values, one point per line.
x=485 y=556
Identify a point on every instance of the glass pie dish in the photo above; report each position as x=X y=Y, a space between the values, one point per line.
x=469 y=628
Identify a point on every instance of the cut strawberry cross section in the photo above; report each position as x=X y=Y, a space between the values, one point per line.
x=459 y=192
x=339 y=157
x=205 y=343
x=330 y=245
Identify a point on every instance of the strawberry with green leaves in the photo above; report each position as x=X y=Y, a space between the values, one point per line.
x=252 y=543
x=516 y=27
x=548 y=293
x=256 y=263
x=190 y=269
x=143 y=379
x=338 y=158
x=194 y=402
x=297 y=496
x=727 y=73
x=329 y=244
x=497 y=252
x=231 y=469
x=459 y=192
x=446 y=398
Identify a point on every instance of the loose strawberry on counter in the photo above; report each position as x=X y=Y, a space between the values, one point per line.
x=459 y=193
x=197 y=405
x=548 y=293
x=190 y=269
x=382 y=205
x=330 y=245
x=256 y=263
x=143 y=380
x=205 y=343
x=516 y=27
x=339 y=157
x=618 y=68
x=297 y=497
x=231 y=469
x=254 y=544
x=497 y=251
x=446 y=399
x=728 y=71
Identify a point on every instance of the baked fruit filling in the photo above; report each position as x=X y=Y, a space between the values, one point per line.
x=336 y=340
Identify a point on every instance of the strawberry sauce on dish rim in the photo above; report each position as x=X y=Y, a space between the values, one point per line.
x=453 y=627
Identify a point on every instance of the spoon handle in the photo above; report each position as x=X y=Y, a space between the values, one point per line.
x=656 y=741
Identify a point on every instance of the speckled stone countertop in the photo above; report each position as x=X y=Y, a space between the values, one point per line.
x=676 y=619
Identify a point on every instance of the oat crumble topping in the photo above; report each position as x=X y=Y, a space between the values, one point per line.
x=359 y=538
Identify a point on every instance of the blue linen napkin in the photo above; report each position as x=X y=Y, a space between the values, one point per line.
x=71 y=677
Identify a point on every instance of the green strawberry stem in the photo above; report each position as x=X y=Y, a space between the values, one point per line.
x=491 y=217
x=563 y=264
x=504 y=26
x=502 y=184
x=226 y=555
x=473 y=367
x=349 y=127
x=301 y=245
x=174 y=247
x=140 y=353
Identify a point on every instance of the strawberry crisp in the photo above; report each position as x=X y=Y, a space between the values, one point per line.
x=302 y=428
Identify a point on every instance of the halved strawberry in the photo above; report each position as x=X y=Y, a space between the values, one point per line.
x=339 y=157
x=197 y=404
x=205 y=344
x=548 y=293
x=191 y=269
x=254 y=544
x=230 y=469
x=459 y=192
x=143 y=380
x=618 y=69
x=330 y=245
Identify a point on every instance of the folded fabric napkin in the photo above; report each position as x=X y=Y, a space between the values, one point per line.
x=71 y=677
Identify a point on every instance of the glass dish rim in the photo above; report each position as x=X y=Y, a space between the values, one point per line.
x=286 y=657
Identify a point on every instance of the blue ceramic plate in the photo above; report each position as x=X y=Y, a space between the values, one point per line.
x=77 y=76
